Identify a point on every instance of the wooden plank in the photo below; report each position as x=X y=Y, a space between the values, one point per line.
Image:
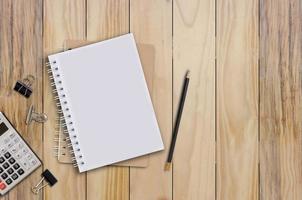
x=151 y=23
x=280 y=99
x=237 y=99
x=63 y=19
x=106 y=19
x=21 y=55
x=194 y=159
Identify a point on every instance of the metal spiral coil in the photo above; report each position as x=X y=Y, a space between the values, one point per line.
x=64 y=119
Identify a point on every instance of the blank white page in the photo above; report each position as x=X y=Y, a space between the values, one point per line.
x=106 y=103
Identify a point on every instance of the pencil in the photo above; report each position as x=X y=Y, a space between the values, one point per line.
x=177 y=122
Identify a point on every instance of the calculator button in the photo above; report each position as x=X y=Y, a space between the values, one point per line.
x=11 y=160
x=3 y=150
x=18 y=155
x=2 y=186
x=1 y=170
x=29 y=156
x=20 y=145
x=10 y=171
x=14 y=150
x=4 y=175
x=14 y=176
x=33 y=162
x=24 y=151
x=11 y=144
x=1 y=159
x=7 y=155
x=20 y=171
x=16 y=140
x=5 y=165
x=12 y=135
x=25 y=164
x=9 y=181
x=16 y=166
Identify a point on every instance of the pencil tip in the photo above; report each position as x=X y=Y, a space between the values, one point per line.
x=188 y=74
x=167 y=166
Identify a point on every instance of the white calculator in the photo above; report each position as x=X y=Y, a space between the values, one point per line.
x=17 y=160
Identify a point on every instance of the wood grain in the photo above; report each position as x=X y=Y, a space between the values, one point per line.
x=21 y=55
x=237 y=99
x=194 y=50
x=63 y=19
x=106 y=19
x=151 y=23
x=32 y=29
x=280 y=99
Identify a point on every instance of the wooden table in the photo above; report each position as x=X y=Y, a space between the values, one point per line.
x=240 y=136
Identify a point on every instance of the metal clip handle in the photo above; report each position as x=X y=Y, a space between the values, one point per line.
x=29 y=80
x=48 y=177
x=34 y=116
x=37 y=187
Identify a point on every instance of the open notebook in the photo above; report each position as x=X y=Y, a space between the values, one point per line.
x=105 y=102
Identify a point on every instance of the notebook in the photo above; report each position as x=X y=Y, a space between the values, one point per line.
x=147 y=57
x=104 y=99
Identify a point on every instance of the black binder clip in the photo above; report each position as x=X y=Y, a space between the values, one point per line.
x=34 y=116
x=48 y=177
x=24 y=87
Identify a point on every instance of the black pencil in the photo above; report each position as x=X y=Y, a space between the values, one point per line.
x=177 y=122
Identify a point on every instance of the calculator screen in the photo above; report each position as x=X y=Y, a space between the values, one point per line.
x=3 y=128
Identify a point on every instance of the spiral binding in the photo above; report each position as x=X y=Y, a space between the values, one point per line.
x=64 y=119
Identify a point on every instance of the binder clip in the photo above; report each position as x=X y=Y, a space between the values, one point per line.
x=34 y=116
x=24 y=87
x=48 y=177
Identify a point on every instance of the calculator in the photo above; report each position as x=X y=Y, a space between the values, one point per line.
x=17 y=159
